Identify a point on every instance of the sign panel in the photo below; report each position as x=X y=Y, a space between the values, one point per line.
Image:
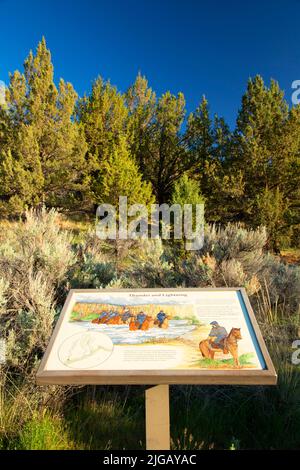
x=153 y=336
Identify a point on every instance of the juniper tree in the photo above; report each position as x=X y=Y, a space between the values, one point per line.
x=21 y=173
x=186 y=192
x=267 y=145
x=200 y=137
x=141 y=103
x=119 y=176
x=103 y=115
x=21 y=176
x=41 y=118
x=166 y=154
x=209 y=148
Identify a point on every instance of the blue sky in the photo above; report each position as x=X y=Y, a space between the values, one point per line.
x=197 y=47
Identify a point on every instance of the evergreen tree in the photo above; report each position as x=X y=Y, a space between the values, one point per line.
x=46 y=147
x=120 y=176
x=165 y=154
x=126 y=145
x=103 y=116
x=209 y=144
x=200 y=138
x=20 y=174
x=186 y=191
x=20 y=169
x=267 y=152
x=141 y=103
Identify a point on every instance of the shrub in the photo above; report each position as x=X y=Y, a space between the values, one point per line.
x=39 y=244
x=92 y=274
x=29 y=324
x=34 y=260
x=94 y=267
x=150 y=267
x=236 y=242
x=197 y=271
x=232 y=273
x=280 y=287
x=231 y=256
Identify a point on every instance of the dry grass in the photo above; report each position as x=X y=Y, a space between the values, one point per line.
x=291 y=256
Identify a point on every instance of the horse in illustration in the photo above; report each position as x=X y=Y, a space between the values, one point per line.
x=228 y=345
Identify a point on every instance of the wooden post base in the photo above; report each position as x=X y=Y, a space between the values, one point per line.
x=157 y=418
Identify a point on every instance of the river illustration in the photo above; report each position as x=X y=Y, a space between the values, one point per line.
x=120 y=334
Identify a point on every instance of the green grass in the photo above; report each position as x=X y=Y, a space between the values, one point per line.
x=45 y=432
x=193 y=320
x=202 y=417
x=90 y=317
x=107 y=418
x=245 y=359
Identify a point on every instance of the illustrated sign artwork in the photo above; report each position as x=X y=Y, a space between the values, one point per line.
x=157 y=336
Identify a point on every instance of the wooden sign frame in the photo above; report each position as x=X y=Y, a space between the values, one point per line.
x=266 y=376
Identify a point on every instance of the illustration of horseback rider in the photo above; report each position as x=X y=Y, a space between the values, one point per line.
x=101 y=317
x=140 y=318
x=160 y=318
x=113 y=318
x=217 y=335
x=125 y=316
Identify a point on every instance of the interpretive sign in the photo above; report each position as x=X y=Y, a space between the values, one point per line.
x=157 y=336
